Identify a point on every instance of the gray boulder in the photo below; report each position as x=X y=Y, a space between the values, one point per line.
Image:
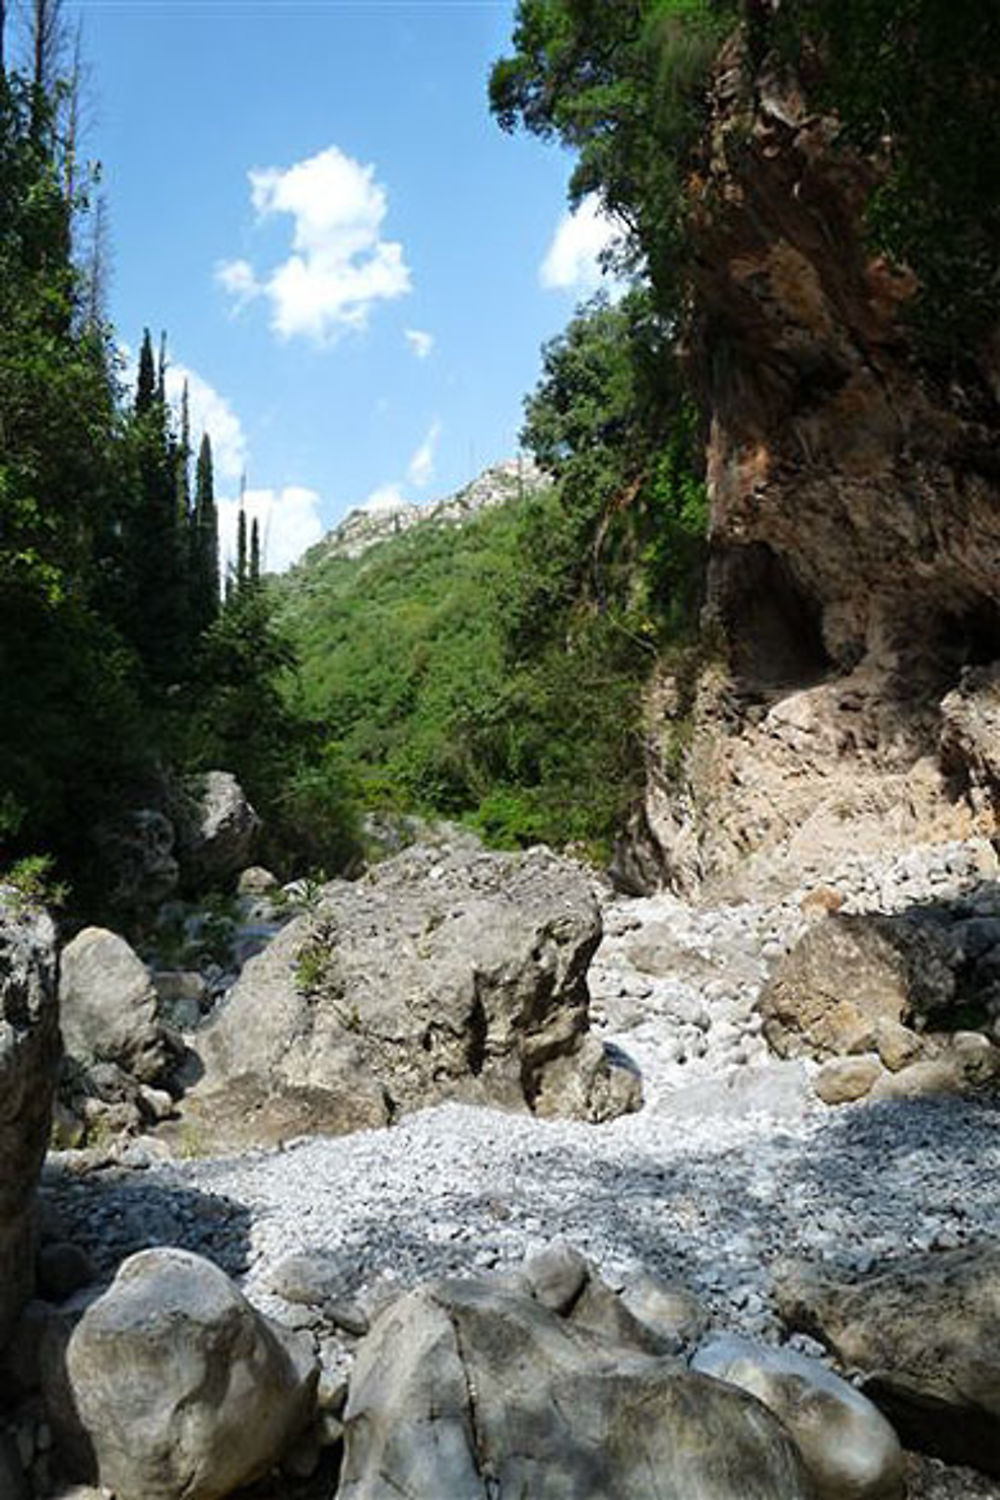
x=216 y=828
x=849 y=978
x=667 y=1309
x=442 y=974
x=29 y=1066
x=464 y=1390
x=925 y=1332
x=137 y=852
x=179 y=1386
x=110 y=1007
x=849 y=1447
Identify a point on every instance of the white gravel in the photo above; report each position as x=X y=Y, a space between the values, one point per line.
x=730 y=1165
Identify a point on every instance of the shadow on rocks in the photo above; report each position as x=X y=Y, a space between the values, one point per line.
x=868 y=1183
x=949 y=946
x=110 y=1214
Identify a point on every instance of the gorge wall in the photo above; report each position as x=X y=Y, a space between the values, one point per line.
x=854 y=581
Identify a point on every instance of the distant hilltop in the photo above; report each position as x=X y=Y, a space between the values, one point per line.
x=367 y=525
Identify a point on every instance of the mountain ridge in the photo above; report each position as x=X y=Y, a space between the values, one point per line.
x=365 y=526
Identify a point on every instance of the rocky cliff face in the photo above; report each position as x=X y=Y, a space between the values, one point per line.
x=30 y=1050
x=368 y=525
x=855 y=524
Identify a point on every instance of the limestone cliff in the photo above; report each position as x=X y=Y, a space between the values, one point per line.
x=855 y=526
x=367 y=525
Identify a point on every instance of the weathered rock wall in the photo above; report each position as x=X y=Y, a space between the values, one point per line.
x=29 y=1062
x=855 y=521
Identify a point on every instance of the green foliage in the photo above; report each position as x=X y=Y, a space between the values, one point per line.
x=238 y=713
x=494 y=672
x=623 y=86
x=919 y=79
x=114 y=662
x=32 y=880
x=626 y=524
x=316 y=812
x=914 y=81
x=68 y=729
x=312 y=967
x=204 y=542
x=186 y=934
x=406 y=656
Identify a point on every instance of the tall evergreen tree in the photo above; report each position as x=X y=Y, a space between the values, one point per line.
x=253 y=576
x=66 y=720
x=205 y=542
x=157 y=617
x=241 y=551
x=161 y=371
x=145 y=392
x=183 y=460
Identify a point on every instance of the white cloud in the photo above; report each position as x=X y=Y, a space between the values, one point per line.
x=340 y=267
x=420 y=342
x=385 y=499
x=237 y=278
x=211 y=413
x=288 y=521
x=572 y=260
x=421 y=469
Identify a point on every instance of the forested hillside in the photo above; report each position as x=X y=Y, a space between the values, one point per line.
x=494 y=671
x=501 y=674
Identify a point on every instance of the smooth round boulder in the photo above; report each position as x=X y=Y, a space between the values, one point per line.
x=181 y=1388
x=110 y=1010
x=924 y=1332
x=849 y=1448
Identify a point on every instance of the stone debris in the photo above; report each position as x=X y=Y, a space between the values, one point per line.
x=689 y=1209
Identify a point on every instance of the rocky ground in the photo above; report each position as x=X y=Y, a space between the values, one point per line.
x=731 y=1166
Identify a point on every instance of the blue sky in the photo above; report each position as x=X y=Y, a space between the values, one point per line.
x=355 y=267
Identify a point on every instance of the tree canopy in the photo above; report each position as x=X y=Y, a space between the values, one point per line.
x=917 y=81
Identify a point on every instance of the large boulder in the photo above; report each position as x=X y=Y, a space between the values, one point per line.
x=29 y=1066
x=110 y=1008
x=216 y=828
x=467 y=1389
x=138 y=859
x=179 y=1386
x=850 y=978
x=851 y=1450
x=925 y=1332
x=442 y=974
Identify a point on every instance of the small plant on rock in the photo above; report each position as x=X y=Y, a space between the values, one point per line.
x=312 y=967
x=31 y=881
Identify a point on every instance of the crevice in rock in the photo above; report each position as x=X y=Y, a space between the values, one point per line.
x=484 y=1467
x=772 y=622
x=475 y=1053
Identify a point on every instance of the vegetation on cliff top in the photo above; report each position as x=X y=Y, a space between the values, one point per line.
x=914 y=82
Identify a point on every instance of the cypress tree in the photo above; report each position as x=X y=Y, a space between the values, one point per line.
x=241 y=551
x=161 y=371
x=145 y=391
x=184 y=461
x=205 y=541
x=254 y=576
x=157 y=552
